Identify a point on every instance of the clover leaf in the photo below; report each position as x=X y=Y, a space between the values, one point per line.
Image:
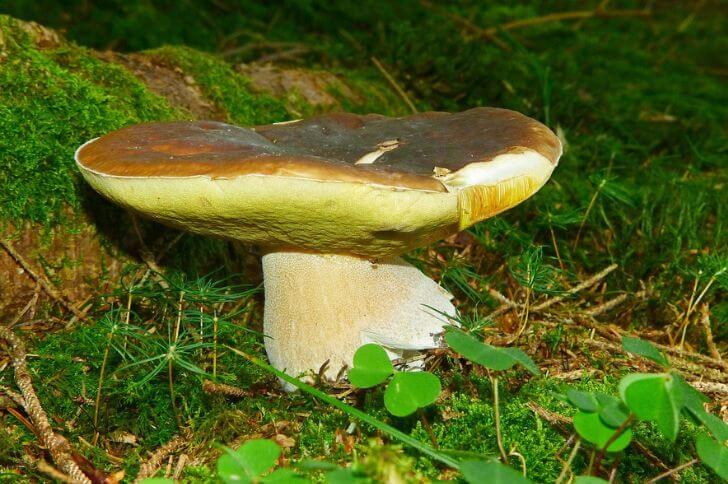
x=589 y=480
x=249 y=462
x=372 y=366
x=583 y=400
x=645 y=349
x=491 y=472
x=491 y=357
x=592 y=429
x=409 y=391
x=713 y=454
x=405 y=393
x=653 y=397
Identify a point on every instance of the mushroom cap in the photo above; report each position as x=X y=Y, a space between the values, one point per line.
x=338 y=183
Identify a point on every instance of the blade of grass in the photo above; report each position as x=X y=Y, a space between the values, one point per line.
x=354 y=412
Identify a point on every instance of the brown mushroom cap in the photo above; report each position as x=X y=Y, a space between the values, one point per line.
x=368 y=185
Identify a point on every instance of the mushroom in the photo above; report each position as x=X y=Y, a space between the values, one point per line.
x=333 y=201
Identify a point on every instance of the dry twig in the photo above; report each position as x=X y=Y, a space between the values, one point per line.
x=558 y=16
x=152 y=465
x=612 y=303
x=32 y=302
x=680 y=364
x=53 y=473
x=506 y=303
x=467 y=24
x=146 y=255
x=394 y=84
x=713 y=388
x=40 y=279
x=57 y=446
x=14 y=396
x=578 y=288
x=705 y=323
x=672 y=472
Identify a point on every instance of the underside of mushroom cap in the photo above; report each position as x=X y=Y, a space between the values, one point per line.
x=339 y=183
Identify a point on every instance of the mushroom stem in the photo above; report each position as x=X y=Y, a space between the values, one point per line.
x=322 y=307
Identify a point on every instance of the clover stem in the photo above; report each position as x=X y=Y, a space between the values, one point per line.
x=620 y=430
x=428 y=428
x=496 y=414
x=567 y=465
x=591 y=462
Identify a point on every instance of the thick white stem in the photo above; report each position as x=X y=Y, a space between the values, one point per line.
x=323 y=307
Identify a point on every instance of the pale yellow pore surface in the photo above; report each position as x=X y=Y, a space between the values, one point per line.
x=280 y=212
x=330 y=216
x=324 y=307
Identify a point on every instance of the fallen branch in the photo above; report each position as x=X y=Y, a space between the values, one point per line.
x=57 y=446
x=40 y=279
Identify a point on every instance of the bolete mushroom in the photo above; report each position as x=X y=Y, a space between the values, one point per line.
x=333 y=201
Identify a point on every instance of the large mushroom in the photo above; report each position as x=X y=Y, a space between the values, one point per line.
x=332 y=201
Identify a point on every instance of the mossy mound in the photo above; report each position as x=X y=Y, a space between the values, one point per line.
x=56 y=95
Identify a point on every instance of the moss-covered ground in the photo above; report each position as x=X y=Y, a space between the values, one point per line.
x=639 y=100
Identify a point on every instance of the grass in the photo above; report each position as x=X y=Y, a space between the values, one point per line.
x=640 y=102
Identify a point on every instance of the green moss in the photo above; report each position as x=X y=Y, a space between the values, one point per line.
x=50 y=103
x=374 y=96
x=220 y=83
x=10 y=439
x=470 y=427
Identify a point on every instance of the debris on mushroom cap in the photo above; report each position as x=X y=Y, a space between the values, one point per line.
x=338 y=183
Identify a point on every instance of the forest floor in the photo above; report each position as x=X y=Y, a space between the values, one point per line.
x=126 y=326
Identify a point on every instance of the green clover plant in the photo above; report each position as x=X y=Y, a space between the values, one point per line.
x=252 y=462
x=406 y=392
x=661 y=398
x=491 y=357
